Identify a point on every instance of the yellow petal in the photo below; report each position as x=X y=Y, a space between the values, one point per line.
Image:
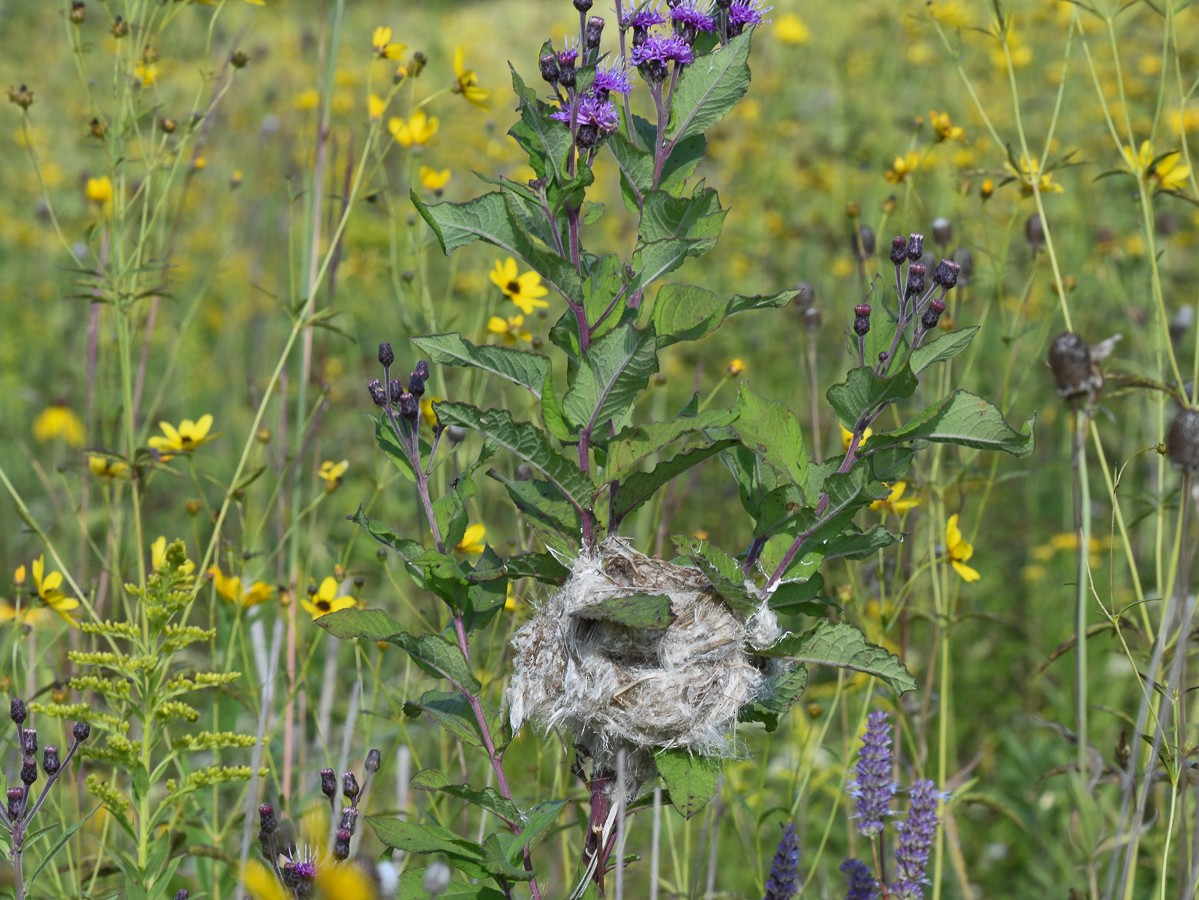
x=968 y=574
x=953 y=534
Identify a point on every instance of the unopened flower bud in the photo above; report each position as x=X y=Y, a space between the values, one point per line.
x=409 y=406
x=15 y=796
x=29 y=769
x=593 y=31
x=549 y=68
x=416 y=383
x=349 y=785
x=386 y=354
x=915 y=246
x=50 y=760
x=373 y=759
x=378 y=395
x=946 y=273
x=28 y=740
x=21 y=96
x=182 y=894
x=915 y=284
x=583 y=6
x=81 y=732
x=933 y=314
x=861 y=319
x=1182 y=441
x=238 y=59
x=267 y=821
x=17 y=711
x=349 y=819
x=119 y=27
x=942 y=231
x=1070 y=363
x=341 y=845
x=167 y=124
x=328 y=783
x=899 y=249
x=78 y=12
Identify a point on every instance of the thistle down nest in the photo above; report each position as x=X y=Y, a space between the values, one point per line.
x=613 y=687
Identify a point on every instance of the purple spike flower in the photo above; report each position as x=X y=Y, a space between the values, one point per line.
x=743 y=13
x=783 y=882
x=862 y=885
x=611 y=78
x=688 y=15
x=916 y=834
x=874 y=788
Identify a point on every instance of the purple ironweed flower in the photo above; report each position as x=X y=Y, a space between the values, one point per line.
x=593 y=118
x=644 y=17
x=568 y=55
x=862 y=885
x=783 y=882
x=611 y=78
x=874 y=788
x=915 y=840
x=653 y=55
x=688 y=15
x=745 y=12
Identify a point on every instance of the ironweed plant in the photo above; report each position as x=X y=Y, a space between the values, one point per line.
x=647 y=667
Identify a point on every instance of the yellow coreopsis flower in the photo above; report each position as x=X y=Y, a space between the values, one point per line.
x=416 y=131
x=107 y=467
x=187 y=437
x=511 y=329
x=58 y=423
x=327 y=599
x=902 y=167
x=944 y=127
x=523 y=290
x=146 y=72
x=433 y=179
x=332 y=473
x=472 y=540
x=237 y=590
x=847 y=437
x=1138 y=160
x=48 y=592
x=427 y=415
x=894 y=502
x=1030 y=176
x=959 y=550
x=791 y=29
x=1169 y=174
x=735 y=368
x=382 y=44
x=99 y=190
x=466 y=82
x=376 y=106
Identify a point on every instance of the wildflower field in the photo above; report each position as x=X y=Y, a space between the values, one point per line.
x=540 y=449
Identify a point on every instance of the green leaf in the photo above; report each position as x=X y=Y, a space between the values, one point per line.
x=631 y=446
x=640 y=487
x=434 y=780
x=842 y=645
x=864 y=391
x=722 y=571
x=420 y=838
x=552 y=414
x=771 y=431
x=853 y=543
x=537 y=822
x=616 y=369
x=488 y=218
x=605 y=294
x=542 y=567
x=451 y=711
x=966 y=420
x=779 y=696
x=386 y=440
x=525 y=441
x=794 y=598
x=708 y=88
x=543 y=503
x=529 y=370
x=637 y=165
x=674 y=228
x=546 y=142
x=945 y=347
x=412 y=887
x=450 y=514
x=60 y=842
x=690 y=779
x=649 y=612
x=408 y=549
x=431 y=652
x=687 y=312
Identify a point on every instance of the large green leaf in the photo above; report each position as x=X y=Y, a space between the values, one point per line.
x=650 y=612
x=451 y=711
x=945 y=347
x=778 y=696
x=528 y=370
x=605 y=294
x=864 y=391
x=842 y=645
x=543 y=502
x=616 y=368
x=709 y=88
x=691 y=779
x=488 y=218
x=967 y=420
x=631 y=446
x=686 y=312
x=412 y=887
x=425 y=838
x=674 y=228
x=771 y=431
x=722 y=571
x=525 y=441
x=546 y=142
x=434 y=780
x=640 y=487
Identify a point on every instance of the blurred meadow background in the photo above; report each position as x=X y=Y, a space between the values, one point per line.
x=204 y=212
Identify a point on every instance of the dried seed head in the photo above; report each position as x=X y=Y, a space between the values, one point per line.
x=373 y=758
x=942 y=231
x=1072 y=366
x=78 y=12
x=1182 y=441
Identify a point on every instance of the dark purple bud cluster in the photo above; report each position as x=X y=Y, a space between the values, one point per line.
x=921 y=294
x=22 y=804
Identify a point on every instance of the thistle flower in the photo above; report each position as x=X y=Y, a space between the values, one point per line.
x=862 y=885
x=745 y=13
x=611 y=77
x=645 y=17
x=783 y=883
x=691 y=19
x=915 y=840
x=873 y=789
x=656 y=51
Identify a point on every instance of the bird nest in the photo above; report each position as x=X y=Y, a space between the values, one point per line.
x=612 y=686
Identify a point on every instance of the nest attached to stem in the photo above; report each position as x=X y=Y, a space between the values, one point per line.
x=614 y=687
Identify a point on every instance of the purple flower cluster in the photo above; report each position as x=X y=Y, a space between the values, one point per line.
x=916 y=834
x=874 y=788
x=688 y=15
x=645 y=17
x=783 y=883
x=611 y=78
x=590 y=110
x=744 y=13
x=862 y=885
x=652 y=55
